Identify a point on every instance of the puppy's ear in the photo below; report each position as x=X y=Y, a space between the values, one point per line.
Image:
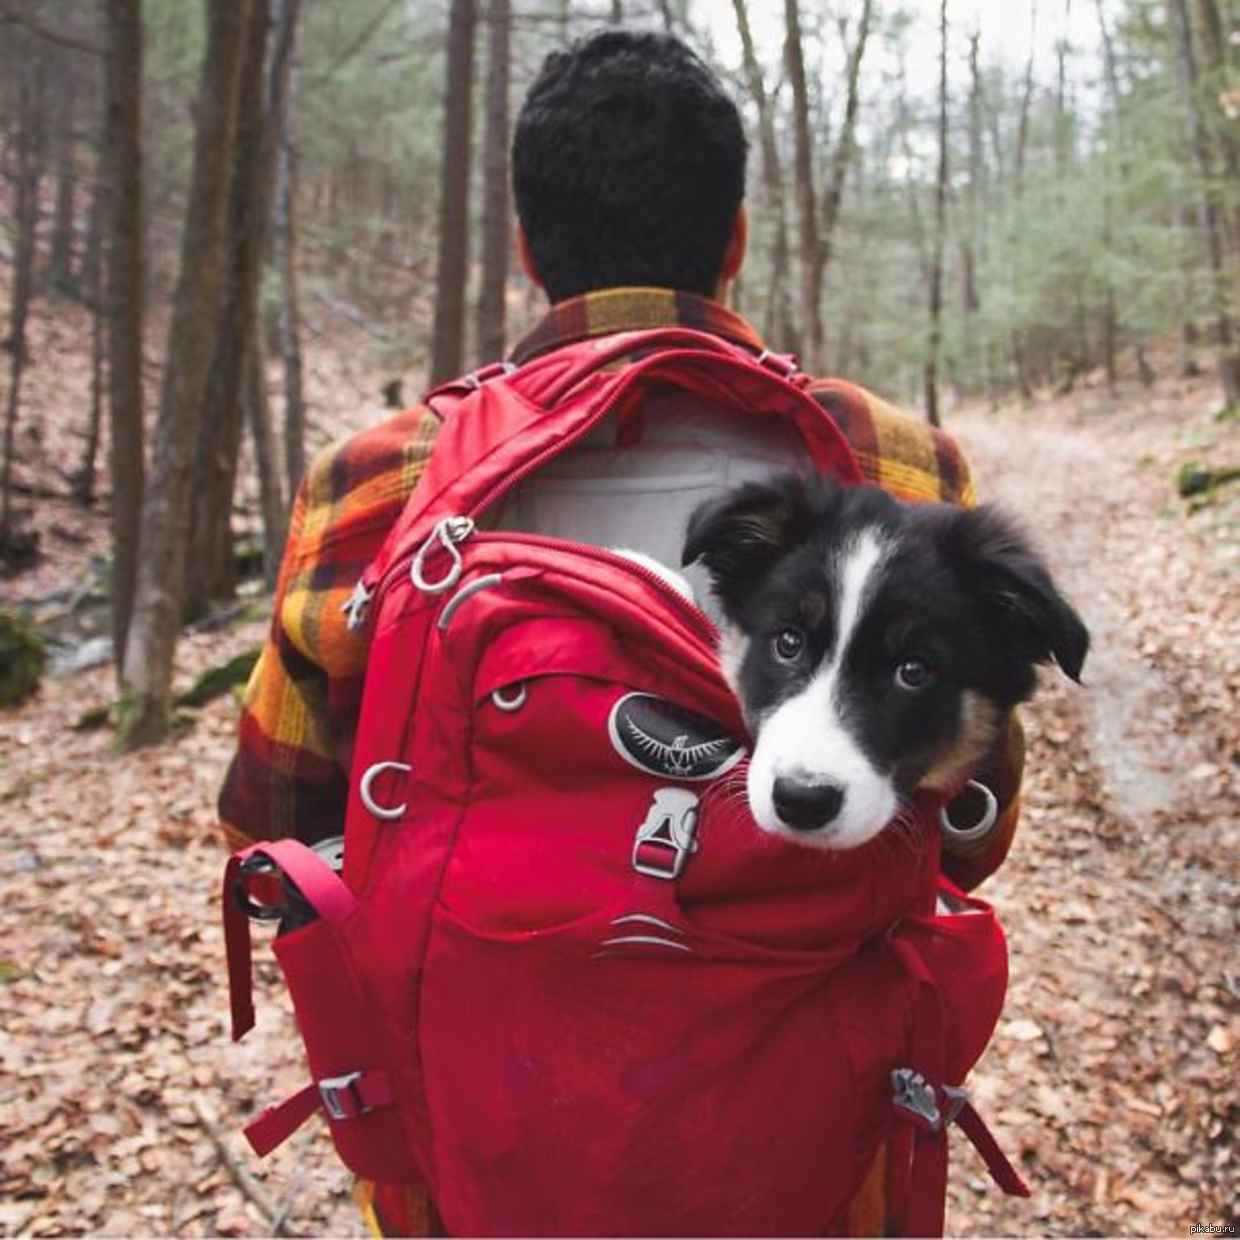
x=1010 y=583
x=740 y=535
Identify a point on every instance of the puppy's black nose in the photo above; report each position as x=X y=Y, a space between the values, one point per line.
x=806 y=807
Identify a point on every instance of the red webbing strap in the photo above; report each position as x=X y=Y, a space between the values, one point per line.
x=277 y=1123
x=920 y=1202
x=238 y=949
x=982 y=1139
x=927 y=1190
x=351 y=1096
x=613 y=348
x=322 y=889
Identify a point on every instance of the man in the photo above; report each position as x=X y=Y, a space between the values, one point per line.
x=629 y=172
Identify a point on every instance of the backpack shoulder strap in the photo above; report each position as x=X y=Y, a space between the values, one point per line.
x=444 y=400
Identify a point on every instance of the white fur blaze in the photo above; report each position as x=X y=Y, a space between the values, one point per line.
x=807 y=738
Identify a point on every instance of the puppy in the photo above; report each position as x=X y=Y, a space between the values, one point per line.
x=875 y=647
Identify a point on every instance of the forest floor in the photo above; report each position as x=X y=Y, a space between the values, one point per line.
x=1113 y=1079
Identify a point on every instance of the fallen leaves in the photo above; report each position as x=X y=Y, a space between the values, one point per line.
x=1113 y=1076
x=1114 y=1071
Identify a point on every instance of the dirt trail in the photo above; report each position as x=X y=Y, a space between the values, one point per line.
x=1038 y=472
x=1114 y=1071
x=1112 y=1078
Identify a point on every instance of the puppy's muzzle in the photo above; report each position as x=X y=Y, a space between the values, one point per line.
x=807 y=807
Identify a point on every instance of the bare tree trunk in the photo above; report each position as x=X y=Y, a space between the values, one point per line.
x=1063 y=114
x=258 y=415
x=211 y=567
x=29 y=142
x=940 y=217
x=617 y=12
x=778 y=326
x=60 y=260
x=496 y=212
x=1026 y=102
x=120 y=196
x=845 y=148
x=1214 y=44
x=158 y=602
x=285 y=224
x=971 y=244
x=448 y=332
x=806 y=195
x=96 y=212
x=1209 y=214
x=284 y=248
x=1022 y=141
x=817 y=234
x=916 y=222
x=1110 y=312
x=84 y=477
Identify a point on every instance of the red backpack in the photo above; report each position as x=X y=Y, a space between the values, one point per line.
x=563 y=980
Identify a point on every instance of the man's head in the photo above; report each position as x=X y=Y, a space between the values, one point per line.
x=629 y=168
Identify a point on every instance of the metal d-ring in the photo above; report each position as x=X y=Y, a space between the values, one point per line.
x=967 y=835
x=512 y=702
x=368 y=800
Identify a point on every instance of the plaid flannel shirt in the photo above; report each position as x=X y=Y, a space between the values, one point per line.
x=290 y=773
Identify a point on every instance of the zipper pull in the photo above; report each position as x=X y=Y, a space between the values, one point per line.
x=355 y=608
x=448 y=532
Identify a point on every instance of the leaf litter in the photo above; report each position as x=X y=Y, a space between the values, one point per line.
x=1112 y=1078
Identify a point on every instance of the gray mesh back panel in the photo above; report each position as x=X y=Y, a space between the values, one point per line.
x=641 y=496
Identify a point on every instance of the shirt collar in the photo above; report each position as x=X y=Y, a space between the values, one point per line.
x=632 y=309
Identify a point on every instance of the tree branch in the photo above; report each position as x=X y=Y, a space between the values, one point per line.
x=10 y=16
x=354 y=47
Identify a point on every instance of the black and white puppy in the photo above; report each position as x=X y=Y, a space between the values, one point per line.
x=875 y=647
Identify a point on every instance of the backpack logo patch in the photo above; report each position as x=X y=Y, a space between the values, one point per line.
x=664 y=739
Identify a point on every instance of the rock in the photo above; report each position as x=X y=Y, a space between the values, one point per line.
x=71 y=659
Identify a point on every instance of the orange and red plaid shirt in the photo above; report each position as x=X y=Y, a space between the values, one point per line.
x=290 y=773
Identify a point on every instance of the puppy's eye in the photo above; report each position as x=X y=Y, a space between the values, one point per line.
x=914 y=674
x=788 y=644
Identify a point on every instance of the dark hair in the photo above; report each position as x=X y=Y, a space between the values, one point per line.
x=628 y=166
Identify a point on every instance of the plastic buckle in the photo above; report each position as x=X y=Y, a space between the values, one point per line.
x=476 y=378
x=659 y=859
x=783 y=364
x=915 y=1096
x=954 y=1101
x=341 y=1099
x=666 y=836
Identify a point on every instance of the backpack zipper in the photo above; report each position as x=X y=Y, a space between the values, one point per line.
x=690 y=612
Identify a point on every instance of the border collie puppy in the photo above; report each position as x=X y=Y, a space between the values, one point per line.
x=875 y=647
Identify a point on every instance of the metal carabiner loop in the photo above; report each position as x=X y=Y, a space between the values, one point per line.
x=384 y=812
x=990 y=813
x=447 y=532
x=512 y=702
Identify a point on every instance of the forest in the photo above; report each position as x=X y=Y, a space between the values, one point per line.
x=234 y=231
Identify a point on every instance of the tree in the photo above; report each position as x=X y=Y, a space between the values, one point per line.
x=1018 y=177
x=30 y=143
x=817 y=235
x=211 y=572
x=1110 y=315
x=778 y=327
x=121 y=202
x=496 y=210
x=1209 y=212
x=448 y=332
x=284 y=247
x=158 y=602
x=940 y=218
x=60 y=260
